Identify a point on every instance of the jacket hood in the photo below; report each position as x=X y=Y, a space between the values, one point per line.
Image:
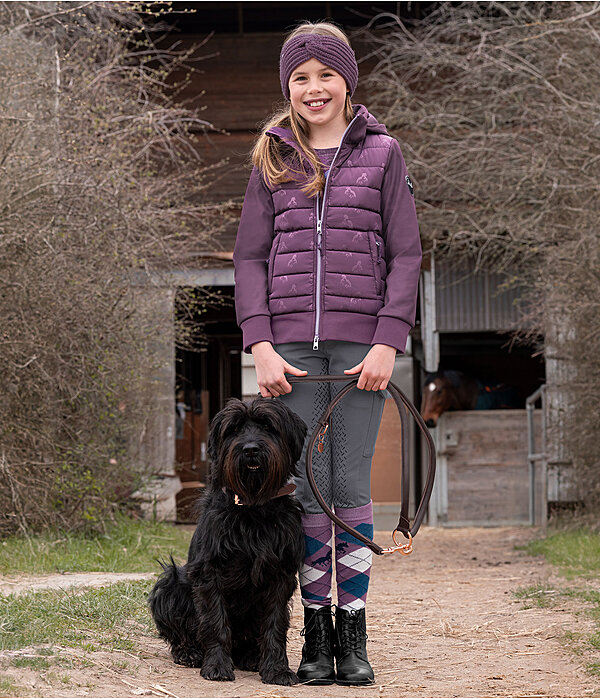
x=362 y=123
x=371 y=125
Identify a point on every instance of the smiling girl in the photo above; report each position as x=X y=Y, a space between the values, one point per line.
x=327 y=261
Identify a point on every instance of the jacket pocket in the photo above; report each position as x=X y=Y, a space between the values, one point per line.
x=271 y=262
x=377 y=259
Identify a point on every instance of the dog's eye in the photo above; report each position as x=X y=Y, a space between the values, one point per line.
x=263 y=423
x=230 y=430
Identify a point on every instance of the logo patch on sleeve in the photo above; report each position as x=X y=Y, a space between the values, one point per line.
x=410 y=185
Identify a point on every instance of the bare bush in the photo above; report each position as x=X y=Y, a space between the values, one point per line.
x=499 y=103
x=100 y=193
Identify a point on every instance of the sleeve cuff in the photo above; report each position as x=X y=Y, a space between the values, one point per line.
x=254 y=330
x=391 y=331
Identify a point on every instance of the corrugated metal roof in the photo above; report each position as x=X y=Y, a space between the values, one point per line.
x=474 y=301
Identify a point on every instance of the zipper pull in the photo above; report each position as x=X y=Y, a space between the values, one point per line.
x=378 y=244
x=316 y=343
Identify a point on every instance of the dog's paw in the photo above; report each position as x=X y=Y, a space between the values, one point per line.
x=283 y=676
x=187 y=657
x=218 y=670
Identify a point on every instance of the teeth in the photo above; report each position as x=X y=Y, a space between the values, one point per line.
x=316 y=104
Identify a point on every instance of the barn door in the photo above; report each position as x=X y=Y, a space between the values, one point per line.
x=483 y=472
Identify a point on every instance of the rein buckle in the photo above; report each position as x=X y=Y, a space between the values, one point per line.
x=404 y=549
x=320 y=445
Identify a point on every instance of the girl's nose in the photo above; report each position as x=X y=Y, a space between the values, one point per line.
x=314 y=86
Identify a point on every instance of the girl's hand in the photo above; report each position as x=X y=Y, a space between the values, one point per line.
x=376 y=369
x=270 y=368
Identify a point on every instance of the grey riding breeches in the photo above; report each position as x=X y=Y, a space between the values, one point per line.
x=343 y=470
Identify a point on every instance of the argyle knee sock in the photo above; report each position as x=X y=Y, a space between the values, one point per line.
x=352 y=558
x=315 y=572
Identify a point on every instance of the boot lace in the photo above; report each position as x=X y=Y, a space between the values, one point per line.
x=351 y=634
x=316 y=636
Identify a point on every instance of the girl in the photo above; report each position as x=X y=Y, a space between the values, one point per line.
x=327 y=261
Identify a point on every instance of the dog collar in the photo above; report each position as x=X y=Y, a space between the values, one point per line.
x=285 y=490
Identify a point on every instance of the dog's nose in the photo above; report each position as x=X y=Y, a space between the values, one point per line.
x=430 y=423
x=250 y=449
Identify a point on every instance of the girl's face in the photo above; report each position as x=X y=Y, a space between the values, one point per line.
x=313 y=82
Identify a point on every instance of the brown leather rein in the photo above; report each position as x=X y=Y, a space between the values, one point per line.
x=403 y=404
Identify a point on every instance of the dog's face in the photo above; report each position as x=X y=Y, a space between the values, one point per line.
x=254 y=448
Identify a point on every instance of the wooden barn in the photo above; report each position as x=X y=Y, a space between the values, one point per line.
x=484 y=475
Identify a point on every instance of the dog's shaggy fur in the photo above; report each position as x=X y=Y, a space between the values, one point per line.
x=229 y=605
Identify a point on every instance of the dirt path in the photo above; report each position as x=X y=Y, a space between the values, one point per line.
x=27 y=584
x=442 y=623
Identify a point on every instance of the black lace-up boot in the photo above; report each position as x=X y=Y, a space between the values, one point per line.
x=316 y=667
x=353 y=667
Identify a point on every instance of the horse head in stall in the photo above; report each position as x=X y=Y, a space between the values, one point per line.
x=451 y=390
x=447 y=390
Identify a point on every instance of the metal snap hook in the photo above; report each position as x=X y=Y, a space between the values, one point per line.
x=404 y=549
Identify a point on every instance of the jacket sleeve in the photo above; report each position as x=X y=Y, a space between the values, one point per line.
x=250 y=254
x=402 y=253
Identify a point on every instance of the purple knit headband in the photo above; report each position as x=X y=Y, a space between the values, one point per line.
x=330 y=50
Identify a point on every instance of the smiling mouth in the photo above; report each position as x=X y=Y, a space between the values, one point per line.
x=253 y=467
x=317 y=103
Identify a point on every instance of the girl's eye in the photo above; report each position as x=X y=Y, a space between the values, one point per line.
x=302 y=77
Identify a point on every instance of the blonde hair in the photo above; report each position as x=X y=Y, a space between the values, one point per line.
x=279 y=162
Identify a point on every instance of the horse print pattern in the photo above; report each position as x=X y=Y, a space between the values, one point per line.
x=315 y=572
x=351 y=216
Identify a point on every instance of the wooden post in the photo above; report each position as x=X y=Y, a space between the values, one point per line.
x=156 y=443
x=560 y=373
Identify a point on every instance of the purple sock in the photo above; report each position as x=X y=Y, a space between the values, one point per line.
x=352 y=558
x=315 y=573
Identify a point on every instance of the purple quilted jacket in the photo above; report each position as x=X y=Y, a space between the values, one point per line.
x=341 y=266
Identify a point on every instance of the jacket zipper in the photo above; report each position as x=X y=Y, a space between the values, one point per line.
x=318 y=299
x=320 y=215
x=377 y=270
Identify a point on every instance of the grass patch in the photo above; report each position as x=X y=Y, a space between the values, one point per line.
x=55 y=678
x=582 y=644
x=36 y=662
x=539 y=596
x=129 y=546
x=43 y=659
x=588 y=596
x=110 y=618
x=575 y=552
x=593 y=669
x=9 y=689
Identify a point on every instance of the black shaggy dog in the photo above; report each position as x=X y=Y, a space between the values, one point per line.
x=229 y=605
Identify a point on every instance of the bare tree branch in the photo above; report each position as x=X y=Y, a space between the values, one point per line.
x=101 y=181
x=497 y=108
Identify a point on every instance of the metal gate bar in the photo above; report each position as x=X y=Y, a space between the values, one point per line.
x=533 y=456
